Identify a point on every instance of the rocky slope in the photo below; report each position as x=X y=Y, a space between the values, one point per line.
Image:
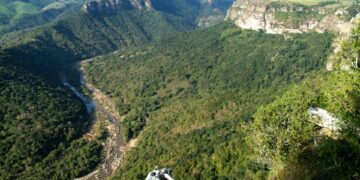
x=114 y=5
x=284 y=17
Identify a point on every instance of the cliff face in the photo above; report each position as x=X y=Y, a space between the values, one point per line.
x=279 y=18
x=108 y=6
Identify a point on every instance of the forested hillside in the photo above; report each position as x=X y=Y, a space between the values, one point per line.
x=40 y=126
x=214 y=103
x=24 y=14
x=84 y=36
x=41 y=122
x=201 y=12
x=191 y=94
x=284 y=140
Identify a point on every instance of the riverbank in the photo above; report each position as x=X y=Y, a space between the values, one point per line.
x=103 y=112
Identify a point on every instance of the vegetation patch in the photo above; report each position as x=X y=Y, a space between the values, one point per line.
x=197 y=128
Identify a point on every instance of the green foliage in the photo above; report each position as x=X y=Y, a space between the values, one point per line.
x=353 y=10
x=16 y=8
x=39 y=3
x=188 y=9
x=11 y=11
x=190 y=100
x=193 y=93
x=296 y=14
x=299 y=11
x=280 y=130
x=82 y=36
x=41 y=122
x=295 y=18
x=192 y=64
x=27 y=21
x=342 y=97
x=187 y=13
x=287 y=145
x=25 y=14
x=40 y=125
x=67 y=163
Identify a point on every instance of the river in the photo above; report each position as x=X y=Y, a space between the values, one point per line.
x=114 y=146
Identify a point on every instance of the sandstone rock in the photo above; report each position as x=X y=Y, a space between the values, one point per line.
x=261 y=14
x=108 y=6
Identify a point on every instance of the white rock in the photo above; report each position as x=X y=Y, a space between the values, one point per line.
x=324 y=119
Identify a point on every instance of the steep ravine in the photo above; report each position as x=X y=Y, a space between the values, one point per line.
x=102 y=108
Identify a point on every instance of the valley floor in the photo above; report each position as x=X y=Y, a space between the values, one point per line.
x=103 y=111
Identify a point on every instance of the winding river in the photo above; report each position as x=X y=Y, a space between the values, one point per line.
x=114 y=146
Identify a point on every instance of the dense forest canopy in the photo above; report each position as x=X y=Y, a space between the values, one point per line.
x=40 y=126
x=180 y=103
x=213 y=103
x=41 y=121
x=208 y=136
x=85 y=36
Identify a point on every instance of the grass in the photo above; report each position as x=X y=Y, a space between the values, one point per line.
x=4 y=10
x=22 y=8
x=17 y=8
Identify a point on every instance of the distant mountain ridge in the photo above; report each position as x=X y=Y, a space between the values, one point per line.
x=21 y=15
x=170 y=6
x=203 y=13
x=91 y=5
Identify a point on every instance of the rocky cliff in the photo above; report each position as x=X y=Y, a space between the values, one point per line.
x=284 y=17
x=108 y=6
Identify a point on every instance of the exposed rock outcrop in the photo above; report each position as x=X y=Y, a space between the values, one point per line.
x=108 y=6
x=324 y=119
x=280 y=17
